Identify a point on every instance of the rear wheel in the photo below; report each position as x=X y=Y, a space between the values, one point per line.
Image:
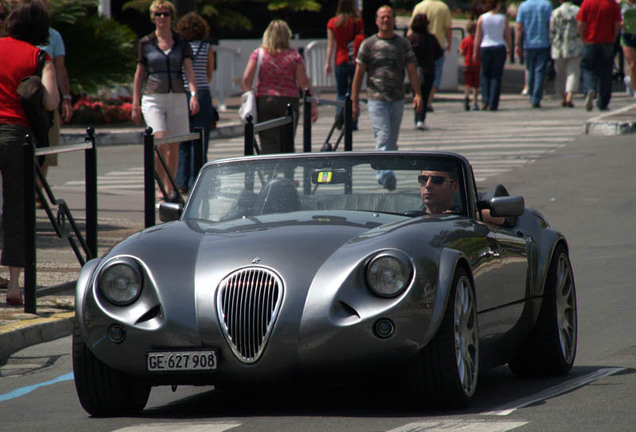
x=551 y=348
x=445 y=372
x=102 y=390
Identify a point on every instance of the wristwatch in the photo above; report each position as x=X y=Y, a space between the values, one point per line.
x=193 y=93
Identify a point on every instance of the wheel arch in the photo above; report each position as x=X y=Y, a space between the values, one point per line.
x=449 y=261
x=548 y=243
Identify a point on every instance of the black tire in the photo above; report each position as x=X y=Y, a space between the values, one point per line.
x=443 y=374
x=551 y=347
x=103 y=391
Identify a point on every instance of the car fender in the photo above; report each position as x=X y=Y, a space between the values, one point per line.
x=81 y=290
x=449 y=259
x=547 y=243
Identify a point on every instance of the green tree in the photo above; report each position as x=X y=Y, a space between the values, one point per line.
x=289 y=6
x=99 y=51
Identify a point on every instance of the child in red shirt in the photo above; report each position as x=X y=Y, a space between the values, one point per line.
x=471 y=68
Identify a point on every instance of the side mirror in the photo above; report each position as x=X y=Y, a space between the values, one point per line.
x=169 y=212
x=505 y=206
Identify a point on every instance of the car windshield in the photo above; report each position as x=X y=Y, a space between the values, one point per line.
x=399 y=183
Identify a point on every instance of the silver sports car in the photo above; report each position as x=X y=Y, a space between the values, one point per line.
x=286 y=266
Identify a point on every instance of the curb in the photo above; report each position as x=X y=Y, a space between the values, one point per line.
x=21 y=334
x=618 y=122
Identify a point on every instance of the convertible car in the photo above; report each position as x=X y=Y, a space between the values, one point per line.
x=281 y=267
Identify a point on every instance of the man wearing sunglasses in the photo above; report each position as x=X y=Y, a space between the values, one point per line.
x=437 y=189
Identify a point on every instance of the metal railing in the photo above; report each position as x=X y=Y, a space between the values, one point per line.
x=150 y=174
x=31 y=169
x=251 y=146
x=343 y=120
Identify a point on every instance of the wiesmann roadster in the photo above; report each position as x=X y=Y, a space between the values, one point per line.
x=285 y=266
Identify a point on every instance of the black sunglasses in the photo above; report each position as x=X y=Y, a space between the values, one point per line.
x=3 y=16
x=162 y=14
x=436 y=180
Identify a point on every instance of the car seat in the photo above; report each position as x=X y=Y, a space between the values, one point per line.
x=277 y=196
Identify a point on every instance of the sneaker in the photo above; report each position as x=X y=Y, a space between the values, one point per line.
x=467 y=104
x=589 y=100
x=390 y=182
x=628 y=86
x=420 y=125
x=525 y=91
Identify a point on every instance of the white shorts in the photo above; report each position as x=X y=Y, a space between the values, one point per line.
x=166 y=112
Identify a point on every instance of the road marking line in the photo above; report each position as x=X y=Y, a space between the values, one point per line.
x=28 y=389
x=460 y=425
x=551 y=392
x=183 y=427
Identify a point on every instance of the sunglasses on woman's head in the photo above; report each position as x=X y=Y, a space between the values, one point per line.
x=436 y=180
x=162 y=14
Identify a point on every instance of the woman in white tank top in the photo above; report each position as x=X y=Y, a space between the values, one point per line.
x=492 y=44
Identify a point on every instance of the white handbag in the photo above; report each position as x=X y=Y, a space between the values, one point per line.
x=248 y=99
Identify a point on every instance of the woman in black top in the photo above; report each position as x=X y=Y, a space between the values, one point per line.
x=161 y=56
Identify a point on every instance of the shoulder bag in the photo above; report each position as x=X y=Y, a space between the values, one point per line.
x=248 y=99
x=31 y=91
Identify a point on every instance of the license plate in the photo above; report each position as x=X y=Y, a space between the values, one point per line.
x=181 y=361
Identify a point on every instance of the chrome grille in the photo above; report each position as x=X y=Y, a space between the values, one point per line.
x=248 y=302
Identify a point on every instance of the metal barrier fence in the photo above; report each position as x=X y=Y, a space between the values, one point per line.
x=31 y=169
x=150 y=174
x=88 y=243
x=251 y=129
x=344 y=120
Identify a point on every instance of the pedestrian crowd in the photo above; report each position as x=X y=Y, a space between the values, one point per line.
x=176 y=62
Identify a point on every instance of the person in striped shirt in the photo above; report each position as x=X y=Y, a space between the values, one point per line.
x=196 y=31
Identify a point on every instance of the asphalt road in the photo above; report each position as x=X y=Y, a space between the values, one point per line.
x=584 y=187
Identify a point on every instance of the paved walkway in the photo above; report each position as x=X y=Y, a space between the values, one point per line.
x=494 y=142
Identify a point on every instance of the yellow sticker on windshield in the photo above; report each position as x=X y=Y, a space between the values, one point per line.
x=324 y=177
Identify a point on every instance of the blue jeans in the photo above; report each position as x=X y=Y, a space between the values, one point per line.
x=203 y=119
x=426 y=84
x=536 y=63
x=344 y=77
x=386 y=118
x=492 y=67
x=596 y=65
x=439 y=67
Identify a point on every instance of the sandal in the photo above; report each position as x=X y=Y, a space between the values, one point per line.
x=15 y=301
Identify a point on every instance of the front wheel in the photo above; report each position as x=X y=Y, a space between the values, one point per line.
x=551 y=348
x=102 y=390
x=445 y=372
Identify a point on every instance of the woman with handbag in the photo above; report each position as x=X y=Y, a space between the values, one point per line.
x=281 y=70
x=345 y=31
x=26 y=26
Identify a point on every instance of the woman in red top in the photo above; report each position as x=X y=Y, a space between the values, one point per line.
x=280 y=74
x=341 y=31
x=27 y=26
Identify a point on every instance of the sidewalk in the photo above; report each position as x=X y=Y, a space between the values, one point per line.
x=58 y=267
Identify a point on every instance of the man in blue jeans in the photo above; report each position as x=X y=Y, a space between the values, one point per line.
x=384 y=57
x=533 y=25
x=599 y=22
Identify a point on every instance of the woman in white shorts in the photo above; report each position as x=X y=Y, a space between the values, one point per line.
x=161 y=57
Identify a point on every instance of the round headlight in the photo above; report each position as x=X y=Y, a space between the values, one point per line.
x=388 y=275
x=120 y=283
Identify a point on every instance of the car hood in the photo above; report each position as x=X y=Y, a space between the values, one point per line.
x=299 y=241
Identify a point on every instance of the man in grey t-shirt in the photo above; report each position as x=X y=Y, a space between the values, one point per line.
x=384 y=57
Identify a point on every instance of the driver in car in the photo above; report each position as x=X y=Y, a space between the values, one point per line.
x=437 y=189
